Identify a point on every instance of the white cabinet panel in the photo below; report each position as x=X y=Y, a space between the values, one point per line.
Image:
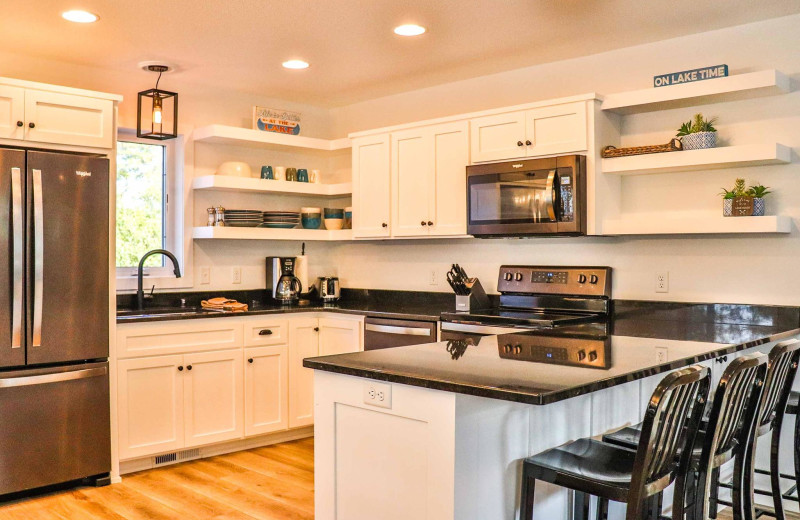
x=266 y=388
x=213 y=397
x=448 y=201
x=260 y=331
x=371 y=187
x=303 y=343
x=556 y=130
x=12 y=112
x=498 y=137
x=339 y=336
x=68 y=119
x=174 y=337
x=150 y=405
x=412 y=182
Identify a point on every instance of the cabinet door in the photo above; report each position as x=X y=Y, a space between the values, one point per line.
x=412 y=182
x=213 y=397
x=266 y=388
x=497 y=137
x=303 y=343
x=371 y=187
x=68 y=119
x=150 y=403
x=448 y=201
x=556 y=129
x=339 y=336
x=12 y=112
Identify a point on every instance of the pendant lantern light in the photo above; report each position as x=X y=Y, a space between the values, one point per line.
x=157 y=110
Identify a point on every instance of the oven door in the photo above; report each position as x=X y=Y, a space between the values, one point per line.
x=522 y=198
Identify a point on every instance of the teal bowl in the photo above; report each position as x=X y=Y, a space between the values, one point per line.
x=311 y=220
x=333 y=213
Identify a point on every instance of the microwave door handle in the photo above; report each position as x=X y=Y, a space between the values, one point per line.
x=550 y=195
x=16 y=217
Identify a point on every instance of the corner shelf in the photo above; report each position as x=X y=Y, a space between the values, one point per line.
x=245 y=233
x=697 y=226
x=706 y=159
x=730 y=88
x=248 y=184
x=233 y=135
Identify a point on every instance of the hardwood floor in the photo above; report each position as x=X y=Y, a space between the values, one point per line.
x=270 y=483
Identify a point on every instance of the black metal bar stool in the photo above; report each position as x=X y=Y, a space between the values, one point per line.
x=638 y=477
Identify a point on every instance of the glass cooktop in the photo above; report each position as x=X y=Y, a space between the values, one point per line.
x=519 y=317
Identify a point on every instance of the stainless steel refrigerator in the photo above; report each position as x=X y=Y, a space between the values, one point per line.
x=54 y=319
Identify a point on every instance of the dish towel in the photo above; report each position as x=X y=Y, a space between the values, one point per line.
x=224 y=304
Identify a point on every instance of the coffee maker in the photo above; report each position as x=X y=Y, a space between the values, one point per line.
x=282 y=283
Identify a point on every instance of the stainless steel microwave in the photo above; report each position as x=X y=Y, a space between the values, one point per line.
x=534 y=197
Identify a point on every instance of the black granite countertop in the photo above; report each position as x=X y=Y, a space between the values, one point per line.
x=542 y=367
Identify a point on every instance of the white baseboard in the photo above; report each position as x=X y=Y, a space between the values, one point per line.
x=149 y=462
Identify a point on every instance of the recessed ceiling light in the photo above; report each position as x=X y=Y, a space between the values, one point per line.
x=295 y=64
x=79 y=16
x=409 y=30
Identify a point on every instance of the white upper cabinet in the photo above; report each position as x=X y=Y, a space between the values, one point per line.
x=67 y=119
x=429 y=180
x=371 y=187
x=547 y=130
x=12 y=112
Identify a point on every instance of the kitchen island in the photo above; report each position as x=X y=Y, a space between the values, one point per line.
x=439 y=431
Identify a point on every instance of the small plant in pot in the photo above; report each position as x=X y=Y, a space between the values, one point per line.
x=744 y=202
x=758 y=192
x=698 y=133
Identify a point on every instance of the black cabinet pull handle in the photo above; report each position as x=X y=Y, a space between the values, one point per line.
x=384 y=225
x=180 y=369
x=250 y=360
x=264 y=332
x=528 y=142
x=519 y=143
x=188 y=367
x=316 y=329
x=430 y=223
x=31 y=125
x=20 y=123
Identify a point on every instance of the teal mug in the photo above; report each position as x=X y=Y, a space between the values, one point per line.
x=266 y=172
x=302 y=175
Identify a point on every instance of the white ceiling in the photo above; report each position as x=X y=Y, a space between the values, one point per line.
x=354 y=55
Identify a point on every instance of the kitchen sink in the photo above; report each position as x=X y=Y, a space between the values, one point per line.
x=161 y=313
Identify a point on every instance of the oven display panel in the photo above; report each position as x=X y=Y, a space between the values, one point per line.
x=549 y=277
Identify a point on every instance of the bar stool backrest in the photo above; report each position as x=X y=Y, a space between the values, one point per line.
x=670 y=423
x=783 y=361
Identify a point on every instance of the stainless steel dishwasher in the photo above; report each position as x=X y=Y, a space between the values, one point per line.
x=387 y=333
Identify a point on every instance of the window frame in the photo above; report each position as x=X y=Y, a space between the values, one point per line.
x=174 y=218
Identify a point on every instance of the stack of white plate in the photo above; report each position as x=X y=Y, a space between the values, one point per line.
x=280 y=219
x=243 y=217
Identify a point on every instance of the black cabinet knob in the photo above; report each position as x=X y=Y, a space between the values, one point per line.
x=316 y=329
x=264 y=332
x=422 y=223
x=188 y=367
x=31 y=125
x=384 y=225
x=528 y=142
x=520 y=143
x=430 y=223
x=19 y=123
x=180 y=369
x=250 y=360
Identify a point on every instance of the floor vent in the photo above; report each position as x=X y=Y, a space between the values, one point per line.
x=189 y=454
x=165 y=459
x=177 y=456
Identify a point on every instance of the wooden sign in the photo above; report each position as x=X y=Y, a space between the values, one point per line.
x=280 y=121
x=742 y=207
x=688 y=76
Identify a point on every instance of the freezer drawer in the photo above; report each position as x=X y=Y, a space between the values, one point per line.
x=55 y=425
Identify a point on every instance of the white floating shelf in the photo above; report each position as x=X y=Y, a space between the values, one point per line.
x=245 y=233
x=706 y=159
x=730 y=88
x=640 y=225
x=233 y=135
x=240 y=184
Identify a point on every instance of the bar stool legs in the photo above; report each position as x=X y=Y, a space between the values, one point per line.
x=580 y=506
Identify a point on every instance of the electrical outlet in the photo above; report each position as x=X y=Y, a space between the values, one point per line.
x=205 y=275
x=237 y=275
x=662 y=282
x=662 y=355
x=378 y=394
x=432 y=280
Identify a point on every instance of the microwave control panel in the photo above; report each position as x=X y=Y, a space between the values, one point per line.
x=578 y=281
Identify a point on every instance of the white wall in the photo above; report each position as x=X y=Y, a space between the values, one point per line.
x=733 y=269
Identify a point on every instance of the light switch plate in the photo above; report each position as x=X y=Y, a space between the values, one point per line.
x=205 y=275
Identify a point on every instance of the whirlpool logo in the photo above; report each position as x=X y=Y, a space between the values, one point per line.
x=80 y=173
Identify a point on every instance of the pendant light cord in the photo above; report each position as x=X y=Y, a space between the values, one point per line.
x=159 y=78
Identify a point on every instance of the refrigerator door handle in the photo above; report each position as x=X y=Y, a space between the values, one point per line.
x=38 y=262
x=53 y=378
x=16 y=217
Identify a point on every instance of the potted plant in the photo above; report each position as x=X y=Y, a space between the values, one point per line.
x=758 y=192
x=698 y=133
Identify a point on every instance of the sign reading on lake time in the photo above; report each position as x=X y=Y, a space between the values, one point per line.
x=688 y=76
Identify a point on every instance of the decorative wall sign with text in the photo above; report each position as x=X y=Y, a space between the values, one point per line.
x=272 y=120
x=688 y=76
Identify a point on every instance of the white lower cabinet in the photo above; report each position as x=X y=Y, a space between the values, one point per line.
x=266 y=389
x=339 y=336
x=213 y=402
x=303 y=343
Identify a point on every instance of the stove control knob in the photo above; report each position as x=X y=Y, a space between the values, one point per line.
x=582 y=278
x=593 y=355
x=593 y=279
x=507 y=348
x=518 y=277
x=518 y=349
x=581 y=355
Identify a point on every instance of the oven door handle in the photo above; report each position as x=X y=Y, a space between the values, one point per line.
x=550 y=195
x=488 y=330
x=393 y=329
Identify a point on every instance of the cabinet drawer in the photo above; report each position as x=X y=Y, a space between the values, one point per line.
x=260 y=332
x=176 y=337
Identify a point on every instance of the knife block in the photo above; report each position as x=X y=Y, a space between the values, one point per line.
x=476 y=299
